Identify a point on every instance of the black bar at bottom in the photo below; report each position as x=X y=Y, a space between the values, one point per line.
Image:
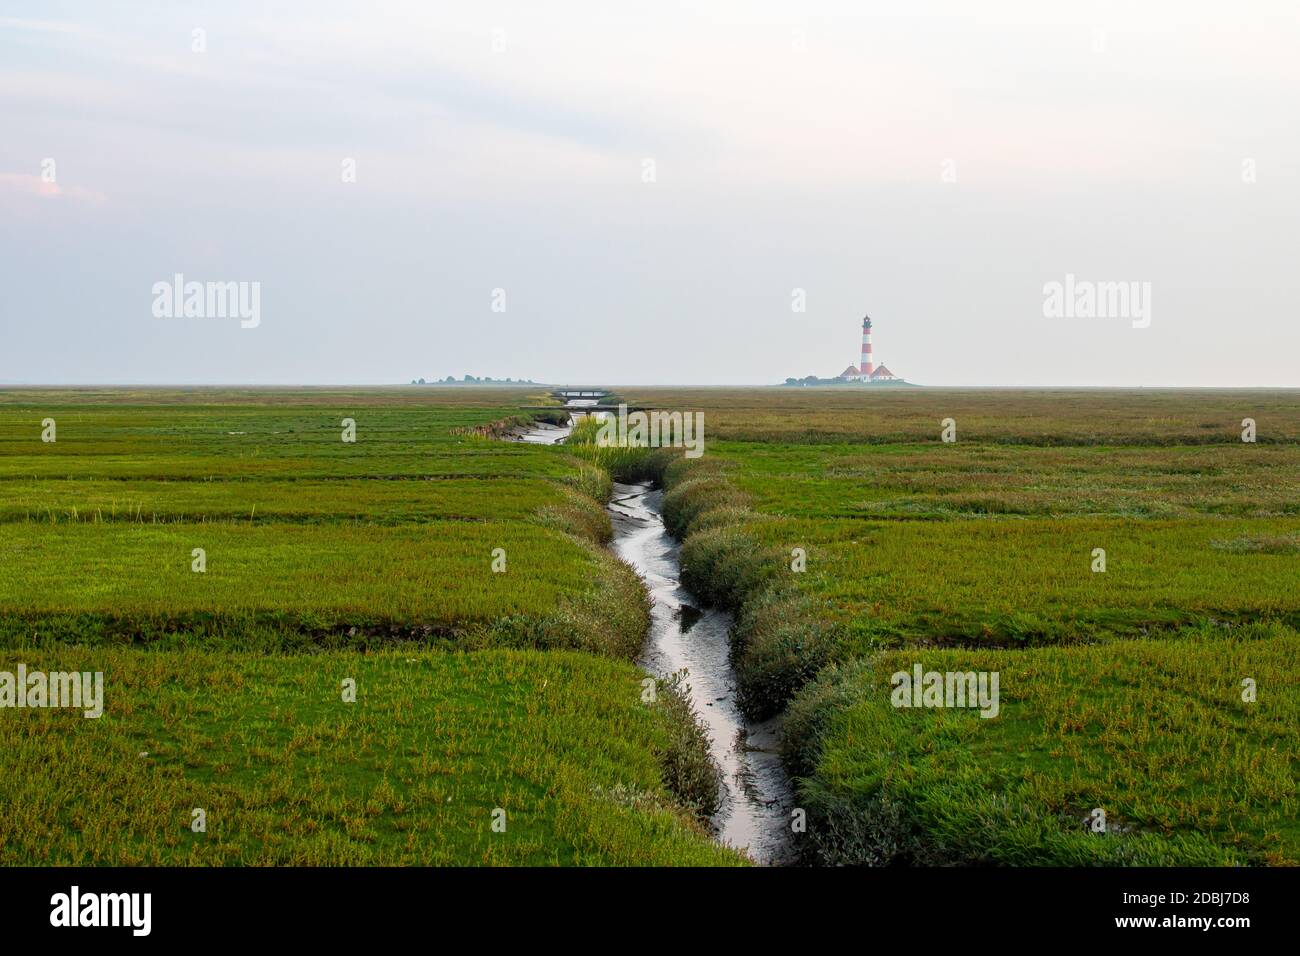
x=333 y=906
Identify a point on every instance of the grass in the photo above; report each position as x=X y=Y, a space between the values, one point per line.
x=623 y=461
x=113 y=582
x=278 y=500
x=1032 y=580
x=970 y=480
x=289 y=774
x=179 y=442
x=850 y=540
x=1012 y=416
x=1155 y=733
x=477 y=688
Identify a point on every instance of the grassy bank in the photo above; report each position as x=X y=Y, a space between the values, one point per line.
x=864 y=544
x=461 y=582
x=289 y=773
x=1154 y=733
x=139 y=582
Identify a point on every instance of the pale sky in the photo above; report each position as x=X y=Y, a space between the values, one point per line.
x=933 y=164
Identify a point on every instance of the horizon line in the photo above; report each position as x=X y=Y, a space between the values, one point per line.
x=588 y=384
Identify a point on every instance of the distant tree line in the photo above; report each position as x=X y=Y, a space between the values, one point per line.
x=474 y=380
x=811 y=380
x=814 y=380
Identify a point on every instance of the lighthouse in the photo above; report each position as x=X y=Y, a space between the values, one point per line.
x=866 y=367
x=867 y=373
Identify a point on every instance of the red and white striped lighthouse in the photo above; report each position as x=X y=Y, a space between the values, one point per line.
x=866 y=367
